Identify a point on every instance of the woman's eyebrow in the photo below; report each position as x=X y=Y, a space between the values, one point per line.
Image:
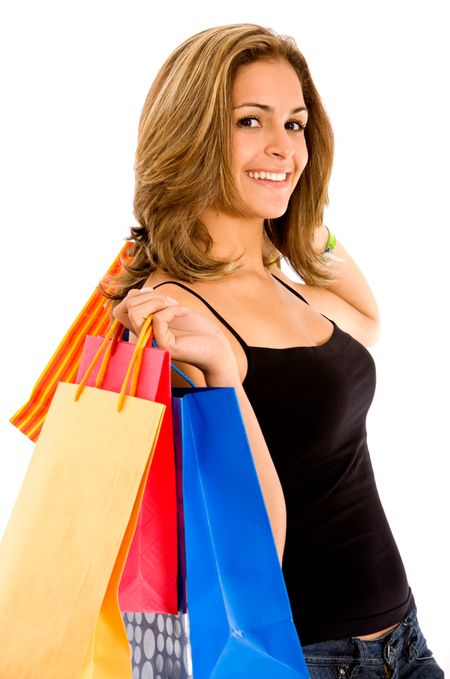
x=270 y=109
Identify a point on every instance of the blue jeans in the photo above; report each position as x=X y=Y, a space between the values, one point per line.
x=402 y=653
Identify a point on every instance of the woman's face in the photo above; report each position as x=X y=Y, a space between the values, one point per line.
x=268 y=150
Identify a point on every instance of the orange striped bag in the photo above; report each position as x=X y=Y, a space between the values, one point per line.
x=93 y=319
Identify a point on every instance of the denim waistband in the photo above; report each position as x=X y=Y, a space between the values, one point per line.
x=385 y=649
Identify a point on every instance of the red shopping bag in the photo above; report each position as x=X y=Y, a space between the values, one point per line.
x=149 y=580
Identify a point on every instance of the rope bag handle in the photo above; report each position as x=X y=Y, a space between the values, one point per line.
x=111 y=338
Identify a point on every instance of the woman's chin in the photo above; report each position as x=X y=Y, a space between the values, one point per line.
x=268 y=211
x=274 y=214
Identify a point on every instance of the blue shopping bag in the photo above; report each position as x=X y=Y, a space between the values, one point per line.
x=240 y=619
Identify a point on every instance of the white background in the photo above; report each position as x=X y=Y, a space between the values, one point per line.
x=74 y=79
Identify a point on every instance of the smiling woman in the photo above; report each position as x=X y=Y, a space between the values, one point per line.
x=232 y=168
x=233 y=163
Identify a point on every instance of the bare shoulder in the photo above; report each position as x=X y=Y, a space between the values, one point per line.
x=179 y=290
x=320 y=299
x=306 y=291
x=346 y=315
x=171 y=287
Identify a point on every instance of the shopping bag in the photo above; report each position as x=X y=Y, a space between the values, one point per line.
x=65 y=545
x=149 y=580
x=93 y=319
x=170 y=656
x=240 y=619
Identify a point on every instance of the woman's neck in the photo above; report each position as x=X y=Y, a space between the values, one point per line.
x=236 y=237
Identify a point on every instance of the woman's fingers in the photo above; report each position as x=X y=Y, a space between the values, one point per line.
x=165 y=326
x=138 y=305
x=121 y=310
x=189 y=336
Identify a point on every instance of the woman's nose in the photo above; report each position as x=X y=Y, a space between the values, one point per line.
x=279 y=144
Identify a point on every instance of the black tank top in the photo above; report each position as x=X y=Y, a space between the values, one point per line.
x=343 y=571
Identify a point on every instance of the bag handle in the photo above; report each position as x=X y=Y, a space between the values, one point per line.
x=173 y=367
x=136 y=360
x=177 y=370
x=108 y=353
x=112 y=337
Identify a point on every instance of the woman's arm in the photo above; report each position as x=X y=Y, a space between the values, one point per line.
x=348 y=301
x=201 y=350
x=265 y=468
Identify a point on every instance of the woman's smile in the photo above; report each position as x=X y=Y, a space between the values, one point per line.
x=269 y=178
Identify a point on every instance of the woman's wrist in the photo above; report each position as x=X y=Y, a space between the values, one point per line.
x=222 y=379
x=225 y=375
x=320 y=239
x=324 y=240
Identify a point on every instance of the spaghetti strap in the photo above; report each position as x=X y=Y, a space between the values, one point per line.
x=212 y=310
x=291 y=289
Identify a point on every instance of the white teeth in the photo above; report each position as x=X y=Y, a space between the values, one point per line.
x=273 y=176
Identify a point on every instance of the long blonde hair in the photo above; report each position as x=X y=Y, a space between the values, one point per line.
x=183 y=161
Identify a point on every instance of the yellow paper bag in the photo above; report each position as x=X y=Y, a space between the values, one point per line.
x=65 y=545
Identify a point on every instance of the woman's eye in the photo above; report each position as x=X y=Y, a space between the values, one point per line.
x=296 y=125
x=255 y=121
x=249 y=121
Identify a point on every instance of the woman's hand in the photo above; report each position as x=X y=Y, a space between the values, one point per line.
x=189 y=336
